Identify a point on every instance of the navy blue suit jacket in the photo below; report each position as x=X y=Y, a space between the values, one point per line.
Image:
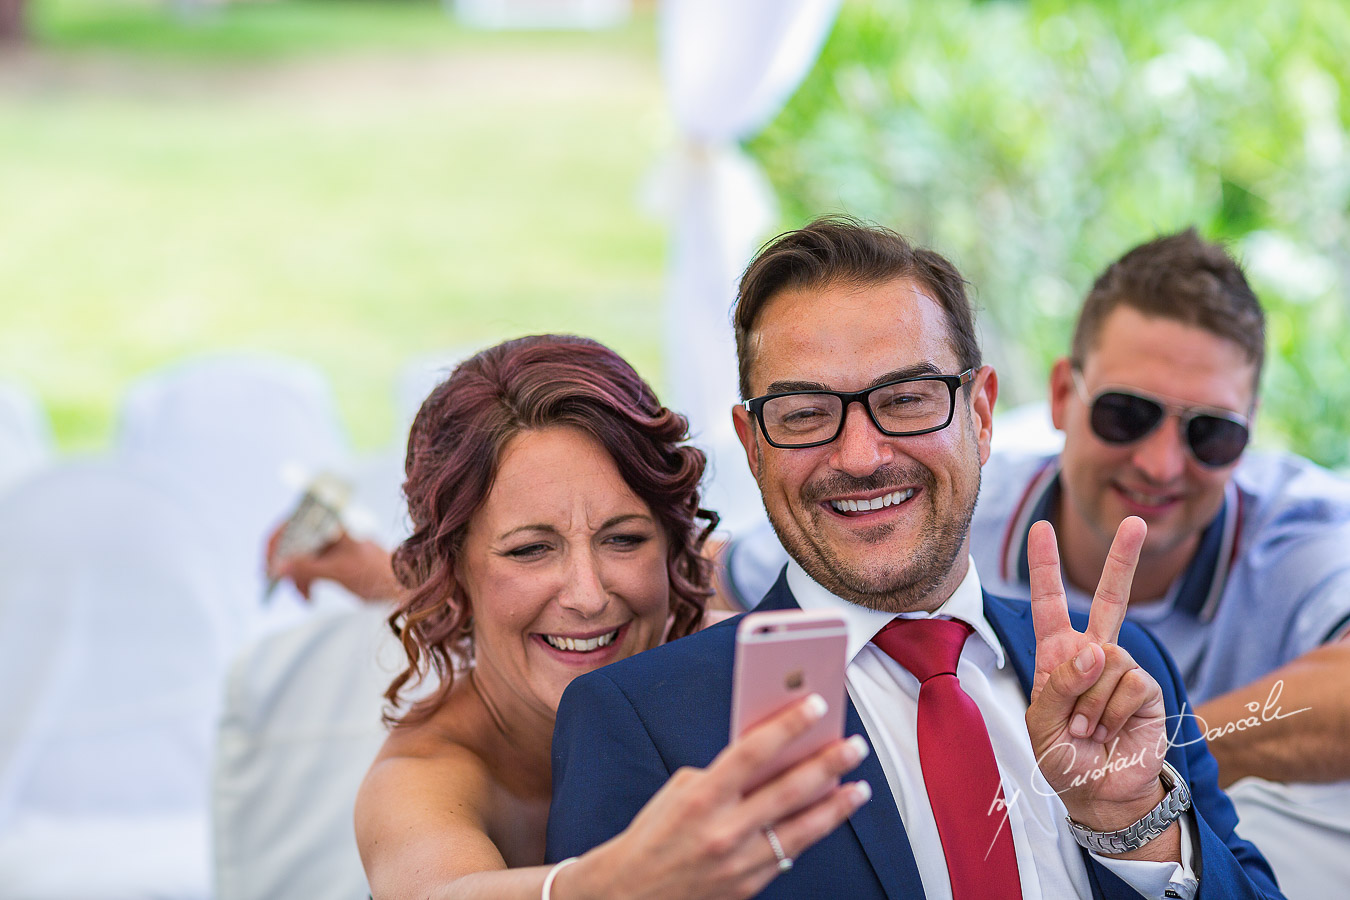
x=624 y=729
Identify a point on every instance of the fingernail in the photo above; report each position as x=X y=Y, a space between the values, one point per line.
x=858 y=749
x=816 y=707
x=1084 y=660
x=1100 y=734
x=1078 y=727
x=862 y=792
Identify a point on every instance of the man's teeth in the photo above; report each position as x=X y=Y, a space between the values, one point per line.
x=884 y=500
x=581 y=646
x=1146 y=499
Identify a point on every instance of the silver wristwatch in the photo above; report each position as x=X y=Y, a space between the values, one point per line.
x=1177 y=801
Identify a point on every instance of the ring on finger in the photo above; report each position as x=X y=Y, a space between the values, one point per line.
x=784 y=861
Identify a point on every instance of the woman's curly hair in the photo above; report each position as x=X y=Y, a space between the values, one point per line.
x=453 y=451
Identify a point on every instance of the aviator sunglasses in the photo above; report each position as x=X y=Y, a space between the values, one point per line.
x=1215 y=437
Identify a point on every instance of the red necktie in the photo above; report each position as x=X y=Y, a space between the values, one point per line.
x=957 y=760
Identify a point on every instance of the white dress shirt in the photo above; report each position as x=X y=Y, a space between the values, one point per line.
x=1049 y=862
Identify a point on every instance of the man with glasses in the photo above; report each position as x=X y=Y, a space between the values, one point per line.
x=1244 y=575
x=1016 y=750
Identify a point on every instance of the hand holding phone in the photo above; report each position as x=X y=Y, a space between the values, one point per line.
x=782 y=656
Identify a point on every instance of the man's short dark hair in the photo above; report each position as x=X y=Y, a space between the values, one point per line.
x=1183 y=278
x=842 y=250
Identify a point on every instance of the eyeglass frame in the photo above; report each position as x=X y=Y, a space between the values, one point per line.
x=1184 y=415
x=755 y=406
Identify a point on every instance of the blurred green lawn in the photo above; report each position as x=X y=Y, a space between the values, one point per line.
x=351 y=183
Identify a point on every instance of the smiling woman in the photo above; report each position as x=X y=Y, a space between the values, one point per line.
x=554 y=505
x=498 y=461
x=578 y=559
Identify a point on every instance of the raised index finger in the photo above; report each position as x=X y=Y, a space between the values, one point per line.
x=1049 y=606
x=1113 y=591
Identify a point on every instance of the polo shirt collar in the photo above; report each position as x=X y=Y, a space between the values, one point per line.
x=1200 y=586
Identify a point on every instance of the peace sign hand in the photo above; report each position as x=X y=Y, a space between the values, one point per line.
x=1096 y=719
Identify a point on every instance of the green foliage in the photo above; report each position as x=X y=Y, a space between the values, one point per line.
x=277 y=29
x=1034 y=142
x=254 y=29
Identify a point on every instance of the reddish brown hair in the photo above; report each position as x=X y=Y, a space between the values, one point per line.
x=453 y=450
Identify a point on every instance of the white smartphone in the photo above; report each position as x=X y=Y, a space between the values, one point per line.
x=782 y=656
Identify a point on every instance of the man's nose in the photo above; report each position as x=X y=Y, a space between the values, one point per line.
x=1161 y=454
x=583 y=590
x=860 y=449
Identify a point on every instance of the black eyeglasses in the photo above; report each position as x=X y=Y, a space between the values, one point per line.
x=1215 y=437
x=797 y=419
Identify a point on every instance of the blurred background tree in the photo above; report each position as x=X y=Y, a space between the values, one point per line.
x=1034 y=142
x=357 y=182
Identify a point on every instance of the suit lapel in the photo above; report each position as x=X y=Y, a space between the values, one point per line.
x=1012 y=624
x=877 y=825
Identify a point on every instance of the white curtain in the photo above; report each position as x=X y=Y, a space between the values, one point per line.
x=729 y=66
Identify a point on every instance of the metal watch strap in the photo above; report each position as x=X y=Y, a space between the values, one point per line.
x=1177 y=801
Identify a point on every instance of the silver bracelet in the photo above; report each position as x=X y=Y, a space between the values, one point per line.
x=1173 y=805
x=547 y=893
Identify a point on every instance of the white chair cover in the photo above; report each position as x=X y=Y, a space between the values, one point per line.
x=378 y=509
x=300 y=727
x=241 y=434
x=113 y=634
x=25 y=435
x=1302 y=829
x=142 y=857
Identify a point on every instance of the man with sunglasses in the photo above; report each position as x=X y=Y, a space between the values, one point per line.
x=1244 y=575
x=1012 y=749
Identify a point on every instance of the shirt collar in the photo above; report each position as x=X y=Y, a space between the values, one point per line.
x=966 y=604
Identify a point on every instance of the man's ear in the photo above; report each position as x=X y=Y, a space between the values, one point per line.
x=745 y=432
x=1061 y=390
x=983 y=394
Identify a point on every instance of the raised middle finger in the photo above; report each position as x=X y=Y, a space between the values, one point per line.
x=1113 y=591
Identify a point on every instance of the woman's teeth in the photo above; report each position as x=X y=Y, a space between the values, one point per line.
x=875 y=503
x=581 y=646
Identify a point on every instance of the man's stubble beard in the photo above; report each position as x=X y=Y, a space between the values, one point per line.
x=880 y=587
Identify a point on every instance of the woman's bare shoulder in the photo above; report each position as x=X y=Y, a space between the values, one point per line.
x=433 y=758
x=424 y=811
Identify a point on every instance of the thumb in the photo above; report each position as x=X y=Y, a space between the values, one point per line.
x=1060 y=691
